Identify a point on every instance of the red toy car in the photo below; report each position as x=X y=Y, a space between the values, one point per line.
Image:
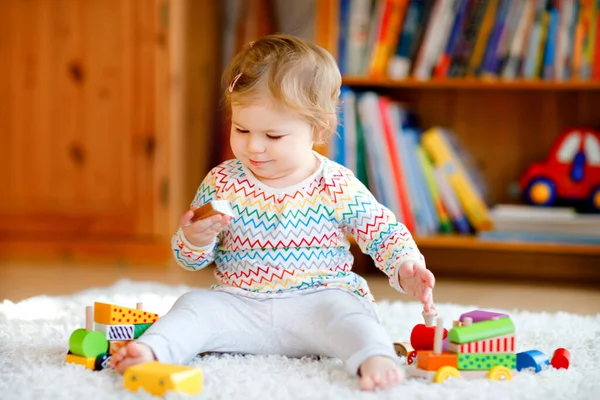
x=571 y=172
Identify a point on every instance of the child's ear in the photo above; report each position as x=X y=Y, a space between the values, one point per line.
x=319 y=135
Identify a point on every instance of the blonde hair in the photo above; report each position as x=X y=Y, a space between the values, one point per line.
x=297 y=74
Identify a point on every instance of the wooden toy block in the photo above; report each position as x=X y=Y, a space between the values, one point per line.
x=437 y=376
x=116 y=345
x=481 y=330
x=88 y=362
x=532 y=359
x=87 y=344
x=110 y=314
x=561 y=358
x=422 y=337
x=486 y=361
x=481 y=315
x=158 y=378
x=430 y=361
x=122 y=332
x=212 y=208
x=500 y=344
x=403 y=349
x=101 y=362
x=412 y=357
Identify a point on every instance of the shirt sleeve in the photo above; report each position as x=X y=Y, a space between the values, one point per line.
x=188 y=256
x=374 y=228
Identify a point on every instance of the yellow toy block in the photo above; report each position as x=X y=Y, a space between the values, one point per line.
x=158 y=378
x=89 y=363
x=111 y=314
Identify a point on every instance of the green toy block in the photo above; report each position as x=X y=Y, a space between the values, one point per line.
x=485 y=361
x=481 y=330
x=88 y=344
x=139 y=329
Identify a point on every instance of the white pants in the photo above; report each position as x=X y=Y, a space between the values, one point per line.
x=331 y=323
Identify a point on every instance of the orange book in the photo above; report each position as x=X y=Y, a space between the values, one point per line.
x=391 y=26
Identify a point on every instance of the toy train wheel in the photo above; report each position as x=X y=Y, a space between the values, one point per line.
x=500 y=373
x=595 y=199
x=444 y=373
x=541 y=192
x=411 y=357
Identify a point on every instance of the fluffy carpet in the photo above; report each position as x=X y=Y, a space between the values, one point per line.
x=34 y=339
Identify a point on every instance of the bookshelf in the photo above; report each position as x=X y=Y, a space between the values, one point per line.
x=505 y=125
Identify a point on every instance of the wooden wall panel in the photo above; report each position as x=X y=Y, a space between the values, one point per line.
x=79 y=135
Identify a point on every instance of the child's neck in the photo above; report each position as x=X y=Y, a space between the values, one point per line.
x=294 y=177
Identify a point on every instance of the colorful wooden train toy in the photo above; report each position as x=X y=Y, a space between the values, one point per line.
x=481 y=344
x=108 y=328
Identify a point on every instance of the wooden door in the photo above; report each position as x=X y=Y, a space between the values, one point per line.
x=81 y=156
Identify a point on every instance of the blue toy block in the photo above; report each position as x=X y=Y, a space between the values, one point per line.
x=532 y=359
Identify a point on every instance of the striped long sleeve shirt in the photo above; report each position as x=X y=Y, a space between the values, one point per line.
x=294 y=240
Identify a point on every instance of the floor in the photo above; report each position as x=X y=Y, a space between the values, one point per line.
x=19 y=281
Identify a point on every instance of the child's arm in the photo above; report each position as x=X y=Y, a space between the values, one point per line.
x=375 y=229
x=195 y=241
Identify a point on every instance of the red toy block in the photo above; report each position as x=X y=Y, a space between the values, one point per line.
x=421 y=337
x=561 y=358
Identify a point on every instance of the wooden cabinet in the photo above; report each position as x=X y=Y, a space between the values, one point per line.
x=96 y=162
x=506 y=126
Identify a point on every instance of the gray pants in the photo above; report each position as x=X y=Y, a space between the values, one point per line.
x=331 y=323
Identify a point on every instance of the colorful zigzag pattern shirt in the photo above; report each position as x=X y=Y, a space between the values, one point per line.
x=294 y=240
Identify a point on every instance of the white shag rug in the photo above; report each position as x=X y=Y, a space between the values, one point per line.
x=34 y=336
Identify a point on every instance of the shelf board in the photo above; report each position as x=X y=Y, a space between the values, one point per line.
x=473 y=243
x=471 y=84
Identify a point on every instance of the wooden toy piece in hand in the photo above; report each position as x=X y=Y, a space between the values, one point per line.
x=213 y=208
x=158 y=378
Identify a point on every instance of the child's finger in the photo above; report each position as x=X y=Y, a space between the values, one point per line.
x=186 y=218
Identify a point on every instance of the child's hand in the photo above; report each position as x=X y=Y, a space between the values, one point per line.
x=204 y=231
x=418 y=281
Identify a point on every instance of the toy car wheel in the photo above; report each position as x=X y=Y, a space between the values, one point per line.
x=444 y=373
x=595 y=199
x=541 y=192
x=411 y=357
x=500 y=373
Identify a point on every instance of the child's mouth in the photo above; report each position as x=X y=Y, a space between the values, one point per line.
x=257 y=163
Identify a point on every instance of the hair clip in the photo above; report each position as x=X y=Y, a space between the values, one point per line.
x=234 y=81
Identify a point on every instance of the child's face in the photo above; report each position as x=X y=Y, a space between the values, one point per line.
x=275 y=144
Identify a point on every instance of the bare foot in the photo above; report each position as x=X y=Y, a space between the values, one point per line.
x=132 y=354
x=379 y=372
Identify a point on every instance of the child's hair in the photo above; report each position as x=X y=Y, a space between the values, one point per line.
x=297 y=74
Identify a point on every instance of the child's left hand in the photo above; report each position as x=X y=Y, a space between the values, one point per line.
x=418 y=281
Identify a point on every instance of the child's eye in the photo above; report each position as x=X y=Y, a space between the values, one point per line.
x=274 y=137
x=241 y=130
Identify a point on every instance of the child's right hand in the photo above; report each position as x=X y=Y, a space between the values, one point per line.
x=204 y=231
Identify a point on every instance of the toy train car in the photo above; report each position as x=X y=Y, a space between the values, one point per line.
x=481 y=344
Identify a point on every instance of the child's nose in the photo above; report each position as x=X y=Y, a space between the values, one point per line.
x=255 y=144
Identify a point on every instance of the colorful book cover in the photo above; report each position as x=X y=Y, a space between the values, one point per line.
x=441 y=152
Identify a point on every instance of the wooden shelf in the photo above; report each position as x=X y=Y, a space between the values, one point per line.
x=470 y=84
x=473 y=243
x=466 y=257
